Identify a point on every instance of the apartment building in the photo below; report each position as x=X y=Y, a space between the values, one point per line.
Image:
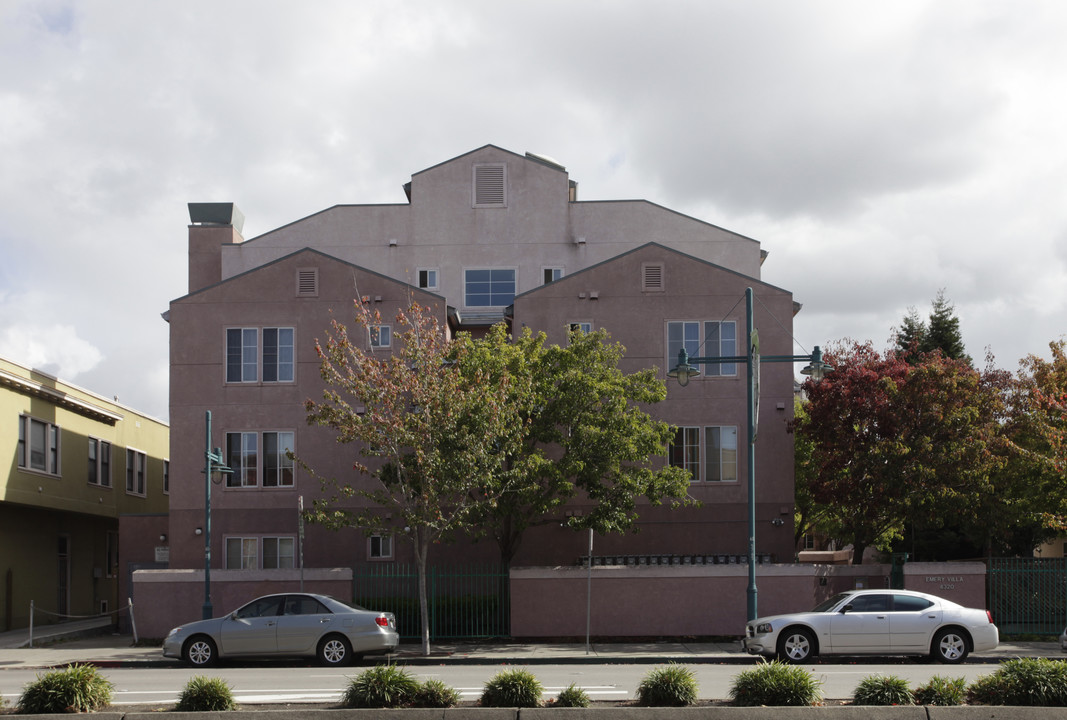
x=489 y=236
x=83 y=501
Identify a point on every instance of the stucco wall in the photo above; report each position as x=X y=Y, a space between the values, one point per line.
x=166 y=598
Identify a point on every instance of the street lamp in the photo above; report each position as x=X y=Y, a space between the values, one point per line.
x=687 y=368
x=214 y=464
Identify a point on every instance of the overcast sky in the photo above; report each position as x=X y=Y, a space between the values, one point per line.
x=879 y=151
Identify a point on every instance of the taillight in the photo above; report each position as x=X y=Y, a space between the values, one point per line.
x=990 y=616
x=383 y=621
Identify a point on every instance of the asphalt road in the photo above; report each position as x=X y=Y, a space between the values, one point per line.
x=282 y=684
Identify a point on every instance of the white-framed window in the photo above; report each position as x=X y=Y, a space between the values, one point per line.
x=381 y=336
x=380 y=547
x=38 y=447
x=279 y=552
x=242 y=346
x=278 y=354
x=248 y=456
x=550 y=274
x=99 y=462
x=582 y=326
x=242 y=456
x=277 y=467
x=242 y=553
x=703 y=338
x=166 y=477
x=243 y=359
x=490 y=185
x=708 y=453
x=427 y=278
x=136 y=463
x=488 y=287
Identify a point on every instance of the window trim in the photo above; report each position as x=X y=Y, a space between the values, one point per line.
x=436 y=284
x=136 y=473
x=101 y=469
x=382 y=539
x=52 y=450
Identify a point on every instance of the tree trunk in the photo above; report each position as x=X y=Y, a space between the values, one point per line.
x=858 y=548
x=422 y=547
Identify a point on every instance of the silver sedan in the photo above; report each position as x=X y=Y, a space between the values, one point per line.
x=289 y=624
x=875 y=622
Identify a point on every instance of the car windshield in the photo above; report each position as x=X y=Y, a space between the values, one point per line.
x=827 y=605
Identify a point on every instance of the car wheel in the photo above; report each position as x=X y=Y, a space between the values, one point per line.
x=200 y=651
x=796 y=645
x=949 y=646
x=334 y=650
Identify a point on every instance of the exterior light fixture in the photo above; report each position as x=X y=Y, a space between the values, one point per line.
x=687 y=368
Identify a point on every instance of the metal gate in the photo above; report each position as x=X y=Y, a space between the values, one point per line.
x=1028 y=595
x=465 y=601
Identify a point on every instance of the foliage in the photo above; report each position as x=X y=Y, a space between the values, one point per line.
x=584 y=433
x=435 y=694
x=202 y=694
x=882 y=690
x=1023 y=681
x=775 y=683
x=941 y=334
x=668 y=686
x=512 y=688
x=893 y=443
x=432 y=437
x=77 y=688
x=940 y=690
x=573 y=696
x=910 y=336
x=382 y=686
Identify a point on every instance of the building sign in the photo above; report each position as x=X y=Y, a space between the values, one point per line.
x=943 y=582
x=162 y=553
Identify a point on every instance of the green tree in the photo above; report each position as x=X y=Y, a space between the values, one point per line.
x=430 y=436
x=911 y=335
x=585 y=434
x=943 y=331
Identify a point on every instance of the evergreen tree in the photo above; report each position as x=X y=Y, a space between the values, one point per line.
x=911 y=336
x=943 y=331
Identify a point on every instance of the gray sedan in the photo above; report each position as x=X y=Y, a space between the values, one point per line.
x=289 y=624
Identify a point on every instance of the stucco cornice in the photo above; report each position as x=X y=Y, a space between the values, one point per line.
x=60 y=398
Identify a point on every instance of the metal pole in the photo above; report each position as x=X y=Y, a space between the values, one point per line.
x=751 y=395
x=589 y=592
x=207 y=610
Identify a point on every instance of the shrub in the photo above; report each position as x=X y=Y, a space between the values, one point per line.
x=882 y=690
x=202 y=694
x=775 y=683
x=435 y=694
x=382 y=686
x=78 y=688
x=1023 y=681
x=669 y=686
x=941 y=691
x=512 y=688
x=573 y=696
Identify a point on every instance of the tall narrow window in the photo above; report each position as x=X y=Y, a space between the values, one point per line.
x=241 y=350
x=277 y=354
x=721 y=454
x=135 y=471
x=166 y=477
x=277 y=467
x=721 y=341
x=682 y=335
x=99 y=462
x=684 y=452
x=241 y=457
x=38 y=445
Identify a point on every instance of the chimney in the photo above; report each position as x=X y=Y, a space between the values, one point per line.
x=212 y=226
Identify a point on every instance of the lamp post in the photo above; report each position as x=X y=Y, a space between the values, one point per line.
x=686 y=368
x=213 y=463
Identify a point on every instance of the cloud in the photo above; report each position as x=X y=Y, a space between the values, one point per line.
x=55 y=349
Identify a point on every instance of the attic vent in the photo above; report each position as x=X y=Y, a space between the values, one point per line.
x=307 y=282
x=490 y=186
x=652 y=277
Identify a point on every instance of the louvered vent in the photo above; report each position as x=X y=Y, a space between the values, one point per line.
x=490 y=186
x=307 y=282
x=652 y=278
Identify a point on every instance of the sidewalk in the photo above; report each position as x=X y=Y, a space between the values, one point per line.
x=57 y=646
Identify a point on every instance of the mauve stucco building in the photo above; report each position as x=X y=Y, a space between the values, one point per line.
x=487 y=236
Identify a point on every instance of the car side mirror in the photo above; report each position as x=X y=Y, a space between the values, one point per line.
x=846 y=608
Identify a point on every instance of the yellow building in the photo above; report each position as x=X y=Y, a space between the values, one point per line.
x=83 y=500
